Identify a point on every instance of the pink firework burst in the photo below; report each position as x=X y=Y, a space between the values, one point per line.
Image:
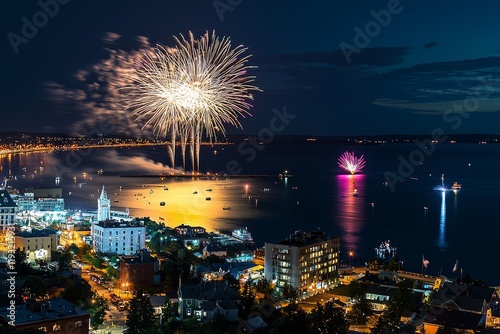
x=351 y=163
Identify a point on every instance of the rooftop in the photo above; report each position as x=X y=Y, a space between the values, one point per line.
x=50 y=309
x=36 y=233
x=300 y=239
x=118 y=224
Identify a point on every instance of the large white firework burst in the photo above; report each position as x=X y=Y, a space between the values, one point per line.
x=192 y=89
x=351 y=163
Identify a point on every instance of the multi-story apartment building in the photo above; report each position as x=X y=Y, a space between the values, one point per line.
x=306 y=261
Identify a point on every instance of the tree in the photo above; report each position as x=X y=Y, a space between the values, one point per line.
x=288 y=293
x=232 y=281
x=263 y=286
x=80 y=292
x=356 y=290
x=328 y=319
x=35 y=287
x=140 y=318
x=97 y=310
x=292 y=320
x=21 y=262
x=390 y=320
x=247 y=299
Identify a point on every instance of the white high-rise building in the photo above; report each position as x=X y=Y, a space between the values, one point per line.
x=103 y=206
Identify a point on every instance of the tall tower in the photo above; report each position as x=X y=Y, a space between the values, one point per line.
x=103 y=206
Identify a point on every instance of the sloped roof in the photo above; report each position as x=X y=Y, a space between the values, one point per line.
x=454 y=318
x=209 y=291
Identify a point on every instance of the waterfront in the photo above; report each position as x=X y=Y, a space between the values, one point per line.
x=459 y=225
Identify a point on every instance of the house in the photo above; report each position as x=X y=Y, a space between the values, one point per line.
x=206 y=299
x=379 y=296
x=463 y=321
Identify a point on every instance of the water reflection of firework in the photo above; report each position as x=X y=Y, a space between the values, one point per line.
x=351 y=163
x=192 y=90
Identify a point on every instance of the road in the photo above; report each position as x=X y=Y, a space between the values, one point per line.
x=114 y=318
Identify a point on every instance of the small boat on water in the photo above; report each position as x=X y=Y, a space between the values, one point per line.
x=267 y=189
x=355 y=193
x=226 y=208
x=456 y=186
x=209 y=189
x=165 y=188
x=162 y=203
x=208 y=198
x=195 y=192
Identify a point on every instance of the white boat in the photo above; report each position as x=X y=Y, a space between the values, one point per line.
x=456 y=186
x=243 y=235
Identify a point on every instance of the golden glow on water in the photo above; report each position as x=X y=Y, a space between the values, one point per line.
x=187 y=201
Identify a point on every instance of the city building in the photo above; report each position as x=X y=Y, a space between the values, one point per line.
x=113 y=236
x=204 y=300
x=125 y=238
x=24 y=202
x=55 y=315
x=7 y=209
x=29 y=202
x=138 y=271
x=37 y=244
x=307 y=261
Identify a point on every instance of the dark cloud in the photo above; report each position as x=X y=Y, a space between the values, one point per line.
x=376 y=57
x=430 y=45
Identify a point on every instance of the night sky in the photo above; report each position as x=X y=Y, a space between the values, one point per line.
x=417 y=65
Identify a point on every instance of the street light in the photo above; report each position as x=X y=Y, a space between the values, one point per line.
x=350 y=259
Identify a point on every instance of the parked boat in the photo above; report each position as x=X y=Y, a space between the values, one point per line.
x=243 y=235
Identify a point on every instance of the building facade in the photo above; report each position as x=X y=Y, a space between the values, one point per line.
x=37 y=244
x=7 y=210
x=138 y=271
x=306 y=261
x=124 y=238
x=28 y=202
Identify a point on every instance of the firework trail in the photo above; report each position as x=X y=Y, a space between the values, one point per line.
x=351 y=163
x=191 y=90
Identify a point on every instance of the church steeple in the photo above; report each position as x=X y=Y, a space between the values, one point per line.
x=103 y=206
